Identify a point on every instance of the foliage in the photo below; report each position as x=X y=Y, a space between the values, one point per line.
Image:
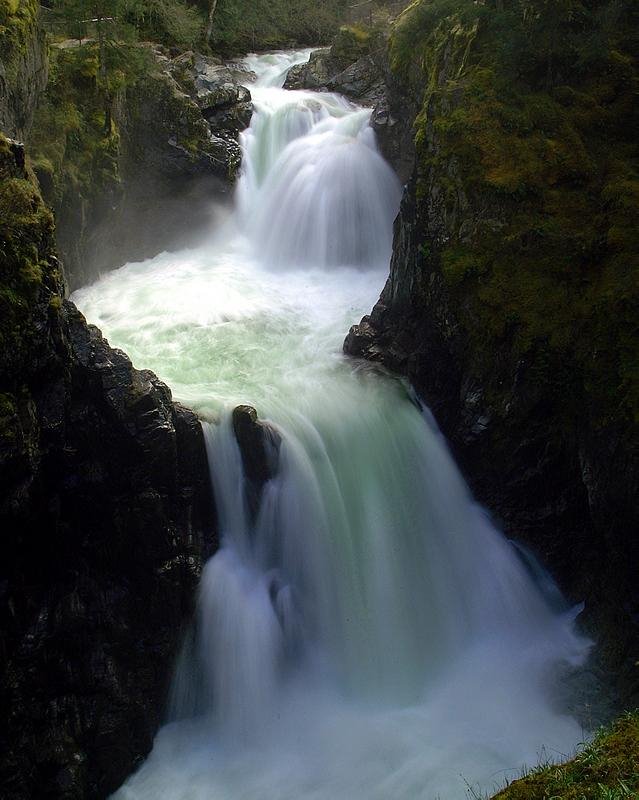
x=170 y=22
x=71 y=150
x=26 y=235
x=529 y=114
x=606 y=769
x=237 y=25
x=242 y=25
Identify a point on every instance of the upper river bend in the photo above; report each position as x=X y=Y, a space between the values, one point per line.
x=368 y=634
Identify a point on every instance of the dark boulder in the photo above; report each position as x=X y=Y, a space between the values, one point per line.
x=259 y=445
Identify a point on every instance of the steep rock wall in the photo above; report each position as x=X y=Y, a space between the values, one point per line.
x=106 y=516
x=23 y=65
x=105 y=511
x=149 y=182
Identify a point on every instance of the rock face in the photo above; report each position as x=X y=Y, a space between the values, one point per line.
x=175 y=154
x=23 y=66
x=531 y=435
x=259 y=445
x=106 y=516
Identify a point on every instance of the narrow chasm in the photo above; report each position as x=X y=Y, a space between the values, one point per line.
x=363 y=630
x=318 y=400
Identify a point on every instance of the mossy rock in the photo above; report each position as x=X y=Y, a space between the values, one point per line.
x=29 y=279
x=535 y=178
x=350 y=44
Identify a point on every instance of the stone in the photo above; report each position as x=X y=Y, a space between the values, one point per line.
x=259 y=445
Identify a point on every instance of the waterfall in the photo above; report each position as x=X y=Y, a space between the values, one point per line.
x=365 y=632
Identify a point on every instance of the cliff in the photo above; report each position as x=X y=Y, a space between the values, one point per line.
x=512 y=298
x=150 y=179
x=23 y=65
x=106 y=516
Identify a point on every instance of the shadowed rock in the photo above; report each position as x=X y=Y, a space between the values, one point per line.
x=259 y=445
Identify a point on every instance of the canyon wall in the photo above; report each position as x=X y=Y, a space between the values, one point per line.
x=106 y=515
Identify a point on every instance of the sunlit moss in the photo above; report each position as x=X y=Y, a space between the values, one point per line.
x=606 y=769
x=536 y=169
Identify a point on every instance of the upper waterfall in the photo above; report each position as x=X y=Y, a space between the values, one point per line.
x=366 y=633
x=314 y=190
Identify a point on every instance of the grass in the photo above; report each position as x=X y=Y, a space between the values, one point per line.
x=605 y=769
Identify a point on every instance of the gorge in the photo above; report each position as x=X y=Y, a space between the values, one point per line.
x=297 y=552
x=367 y=593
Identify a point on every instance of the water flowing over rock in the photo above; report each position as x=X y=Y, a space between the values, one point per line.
x=363 y=630
x=362 y=73
x=561 y=480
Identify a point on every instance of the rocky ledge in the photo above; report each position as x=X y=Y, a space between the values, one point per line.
x=155 y=180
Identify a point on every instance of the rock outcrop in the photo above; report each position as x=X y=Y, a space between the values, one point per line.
x=152 y=183
x=259 y=445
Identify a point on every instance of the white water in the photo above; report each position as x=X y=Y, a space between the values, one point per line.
x=370 y=635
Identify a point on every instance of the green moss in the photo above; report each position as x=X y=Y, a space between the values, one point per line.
x=606 y=769
x=351 y=43
x=543 y=254
x=17 y=21
x=70 y=148
x=26 y=236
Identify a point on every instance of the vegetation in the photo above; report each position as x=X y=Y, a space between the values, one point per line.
x=16 y=19
x=27 y=277
x=606 y=769
x=75 y=141
x=225 y=26
x=241 y=25
x=530 y=113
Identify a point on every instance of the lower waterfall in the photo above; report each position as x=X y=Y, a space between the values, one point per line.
x=365 y=633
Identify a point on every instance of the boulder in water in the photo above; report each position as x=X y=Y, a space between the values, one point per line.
x=259 y=445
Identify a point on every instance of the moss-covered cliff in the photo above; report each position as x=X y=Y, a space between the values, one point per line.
x=513 y=296
x=105 y=515
x=23 y=65
x=134 y=172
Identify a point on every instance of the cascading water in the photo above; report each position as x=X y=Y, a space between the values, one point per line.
x=367 y=634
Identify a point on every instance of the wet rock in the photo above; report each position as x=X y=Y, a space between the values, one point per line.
x=259 y=445
x=104 y=537
x=313 y=75
x=361 y=81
